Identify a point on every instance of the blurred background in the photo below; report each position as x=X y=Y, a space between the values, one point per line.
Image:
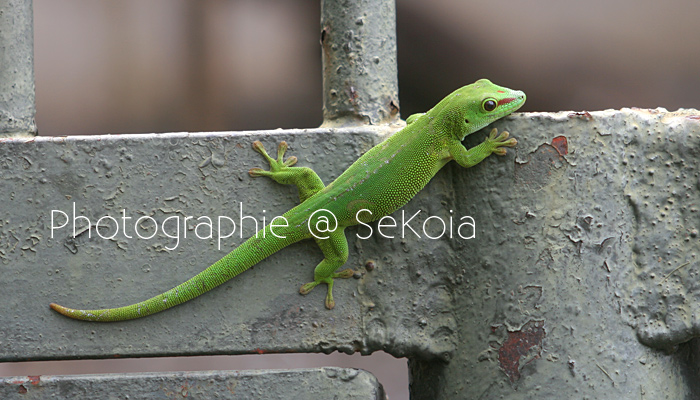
x=134 y=66
x=210 y=65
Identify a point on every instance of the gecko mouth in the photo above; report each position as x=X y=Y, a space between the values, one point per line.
x=510 y=104
x=506 y=101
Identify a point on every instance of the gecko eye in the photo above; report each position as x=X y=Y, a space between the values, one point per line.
x=489 y=104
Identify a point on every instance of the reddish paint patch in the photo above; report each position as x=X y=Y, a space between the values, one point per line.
x=34 y=379
x=695 y=117
x=516 y=348
x=500 y=91
x=260 y=351
x=506 y=101
x=561 y=144
x=585 y=114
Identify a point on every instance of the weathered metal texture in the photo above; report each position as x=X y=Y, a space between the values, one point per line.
x=586 y=253
x=17 y=108
x=319 y=383
x=169 y=175
x=360 y=80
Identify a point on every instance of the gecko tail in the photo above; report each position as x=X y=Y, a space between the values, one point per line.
x=103 y=315
x=236 y=262
x=84 y=315
x=60 y=309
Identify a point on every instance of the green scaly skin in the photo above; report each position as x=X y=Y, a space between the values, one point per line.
x=381 y=181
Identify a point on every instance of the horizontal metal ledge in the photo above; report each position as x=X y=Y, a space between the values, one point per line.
x=160 y=176
x=420 y=299
x=317 y=383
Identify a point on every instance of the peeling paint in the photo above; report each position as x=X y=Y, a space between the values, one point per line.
x=561 y=144
x=520 y=348
x=542 y=166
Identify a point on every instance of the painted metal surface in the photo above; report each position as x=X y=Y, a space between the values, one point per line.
x=576 y=276
x=581 y=281
x=583 y=256
x=124 y=178
x=360 y=79
x=17 y=107
x=319 y=383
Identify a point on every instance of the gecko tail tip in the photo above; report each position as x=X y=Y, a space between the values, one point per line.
x=58 y=308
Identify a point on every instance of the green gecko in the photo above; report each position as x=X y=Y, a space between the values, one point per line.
x=378 y=183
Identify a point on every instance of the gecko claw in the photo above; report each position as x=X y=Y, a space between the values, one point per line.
x=258 y=146
x=282 y=148
x=307 y=287
x=330 y=303
x=256 y=172
x=344 y=274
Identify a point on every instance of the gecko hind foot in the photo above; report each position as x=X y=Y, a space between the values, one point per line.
x=330 y=303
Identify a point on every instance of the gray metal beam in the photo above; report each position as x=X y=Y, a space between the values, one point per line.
x=360 y=80
x=319 y=383
x=162 y=176
x=584 y=264
x=17 y=107
x=585 y=255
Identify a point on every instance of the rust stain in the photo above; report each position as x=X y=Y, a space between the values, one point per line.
x=22 y=389
x=394 y=107
x=325 y=43
x=561 y=145
x=513 y=353
x=34 y=379
x=352 y=94
x=324 y=32
x=584 y=114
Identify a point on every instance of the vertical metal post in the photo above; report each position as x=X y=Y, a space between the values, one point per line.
x=17 y=104
x=360 y=84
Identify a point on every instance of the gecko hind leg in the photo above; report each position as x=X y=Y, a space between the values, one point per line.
x=281 y=171
x=335 y=251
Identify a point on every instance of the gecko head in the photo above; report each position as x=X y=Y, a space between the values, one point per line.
x=472 y=107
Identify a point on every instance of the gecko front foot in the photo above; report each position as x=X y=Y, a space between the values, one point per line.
x=330 y=303
x=498 y=142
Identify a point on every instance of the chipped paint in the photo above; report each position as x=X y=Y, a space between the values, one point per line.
x=522 y=347
x=561 y=144
x=543 y=166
